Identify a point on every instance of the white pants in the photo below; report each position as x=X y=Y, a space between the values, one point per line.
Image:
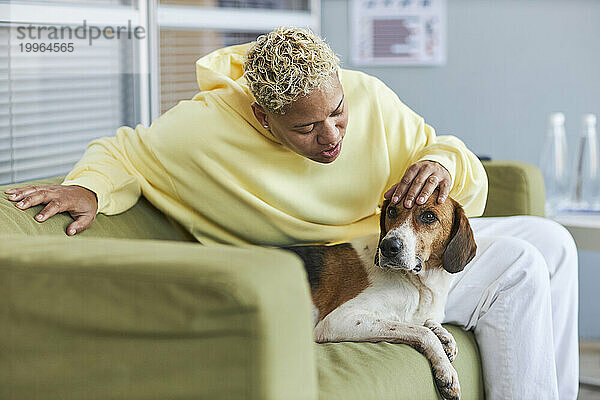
x=519 y=295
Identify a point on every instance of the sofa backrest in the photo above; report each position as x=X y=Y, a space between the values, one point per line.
x=142 y=221
x=514 y=188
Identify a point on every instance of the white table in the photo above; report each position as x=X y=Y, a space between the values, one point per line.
x=585 y=229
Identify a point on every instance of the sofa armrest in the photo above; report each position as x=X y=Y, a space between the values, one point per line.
x=99 y=318
x=515 y=188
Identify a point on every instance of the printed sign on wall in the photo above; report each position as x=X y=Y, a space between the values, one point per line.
x=398 y=32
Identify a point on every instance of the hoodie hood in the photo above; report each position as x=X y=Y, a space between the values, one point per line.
x=220 y=73
x=222 y=68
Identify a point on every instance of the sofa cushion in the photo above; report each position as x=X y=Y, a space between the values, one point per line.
x=377 y=371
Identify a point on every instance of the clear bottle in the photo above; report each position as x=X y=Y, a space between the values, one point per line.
x=553 y=163
x=586 y=173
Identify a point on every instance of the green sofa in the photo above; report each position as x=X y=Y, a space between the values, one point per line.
x=133 y=308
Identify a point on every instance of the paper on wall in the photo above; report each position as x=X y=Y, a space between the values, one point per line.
x=398 y=32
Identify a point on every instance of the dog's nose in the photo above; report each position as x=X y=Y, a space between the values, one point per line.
x=390 y=247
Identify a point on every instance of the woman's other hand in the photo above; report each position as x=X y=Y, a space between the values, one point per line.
x=78 y=201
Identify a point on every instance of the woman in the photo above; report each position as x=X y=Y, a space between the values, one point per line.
x=283 y=147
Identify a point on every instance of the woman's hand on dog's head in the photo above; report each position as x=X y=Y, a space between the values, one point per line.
x=419 y=182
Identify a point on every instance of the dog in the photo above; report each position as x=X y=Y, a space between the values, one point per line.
x=392 y=286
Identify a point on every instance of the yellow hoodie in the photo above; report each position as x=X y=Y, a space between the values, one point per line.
x=209 y=164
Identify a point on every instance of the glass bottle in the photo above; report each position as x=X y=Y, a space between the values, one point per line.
x=584 y=193
x=553 y=163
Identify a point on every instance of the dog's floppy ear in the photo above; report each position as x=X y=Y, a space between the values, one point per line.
x=461 y=247
x=382 y=231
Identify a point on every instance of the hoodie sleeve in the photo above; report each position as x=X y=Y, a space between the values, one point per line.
x=117 y=168
x=469 y=180
x=411 y=140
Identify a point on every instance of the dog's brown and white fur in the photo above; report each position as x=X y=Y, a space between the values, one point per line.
x=393 y=286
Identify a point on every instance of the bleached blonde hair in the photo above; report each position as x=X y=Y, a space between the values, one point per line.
x=286 y=64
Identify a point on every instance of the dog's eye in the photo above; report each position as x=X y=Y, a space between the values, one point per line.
x=392 y=213
x=428 y=217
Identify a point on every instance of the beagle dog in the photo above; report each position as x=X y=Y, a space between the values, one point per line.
x=393 y=286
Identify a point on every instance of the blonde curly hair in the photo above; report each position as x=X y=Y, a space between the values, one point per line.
x=286 y=64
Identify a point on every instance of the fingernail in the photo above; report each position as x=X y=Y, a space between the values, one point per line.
x=71 y=231
x=39 y=216
x=11 y=196
x=421 y=200
x=20 y=204
x=408 y=203
x=394 y=199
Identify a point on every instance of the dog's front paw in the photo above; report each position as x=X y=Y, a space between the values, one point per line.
x=445 y=337
x=446 y=380
x=449 y=345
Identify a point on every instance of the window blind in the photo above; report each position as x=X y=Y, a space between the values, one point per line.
x=52 y=104
x=264 y=4
x=179 y=50
x=267 y=4
x=98 y=2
